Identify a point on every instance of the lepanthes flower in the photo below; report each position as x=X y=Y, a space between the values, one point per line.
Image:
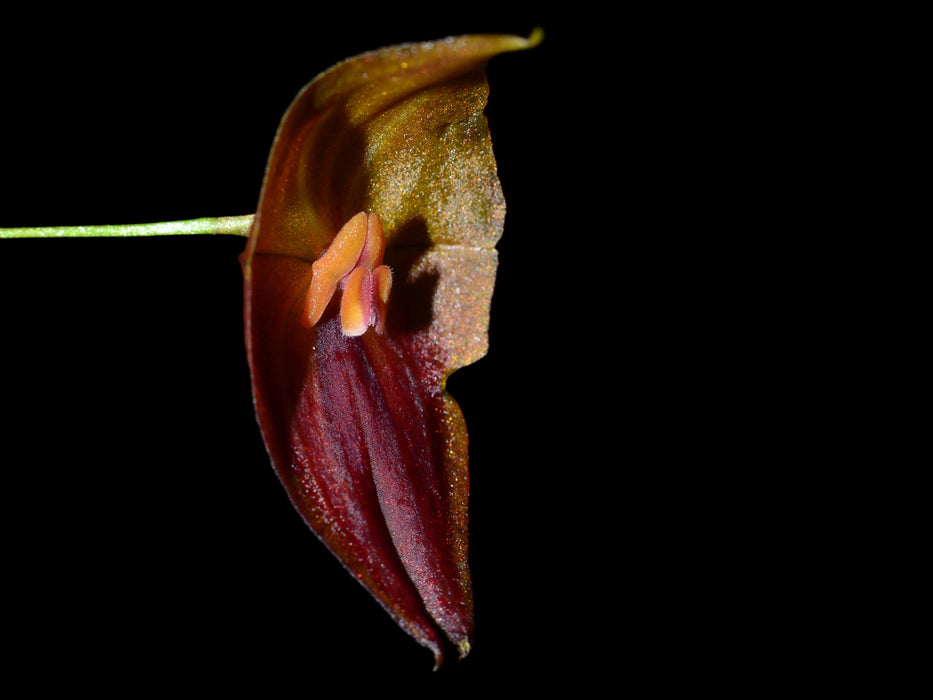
x=368 y=273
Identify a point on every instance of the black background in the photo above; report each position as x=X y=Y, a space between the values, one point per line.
x=147 y=542
x=647 y=506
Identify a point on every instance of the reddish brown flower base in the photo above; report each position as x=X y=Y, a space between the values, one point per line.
x=374 y=457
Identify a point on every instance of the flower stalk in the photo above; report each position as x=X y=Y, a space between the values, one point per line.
x=229 y=225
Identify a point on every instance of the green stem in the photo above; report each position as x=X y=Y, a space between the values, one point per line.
x=233 y=225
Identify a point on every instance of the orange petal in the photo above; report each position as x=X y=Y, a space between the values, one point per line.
x=382 y=283
x=327 y=271
x=356 y=305
x=371 y=255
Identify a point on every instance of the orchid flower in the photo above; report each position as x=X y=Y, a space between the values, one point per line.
x=368 y=273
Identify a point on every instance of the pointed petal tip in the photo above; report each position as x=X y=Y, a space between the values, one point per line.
x=438 y=658
x=464 y=646
x=515 y=42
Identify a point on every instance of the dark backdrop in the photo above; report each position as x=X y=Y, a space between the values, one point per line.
x=147 y=542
